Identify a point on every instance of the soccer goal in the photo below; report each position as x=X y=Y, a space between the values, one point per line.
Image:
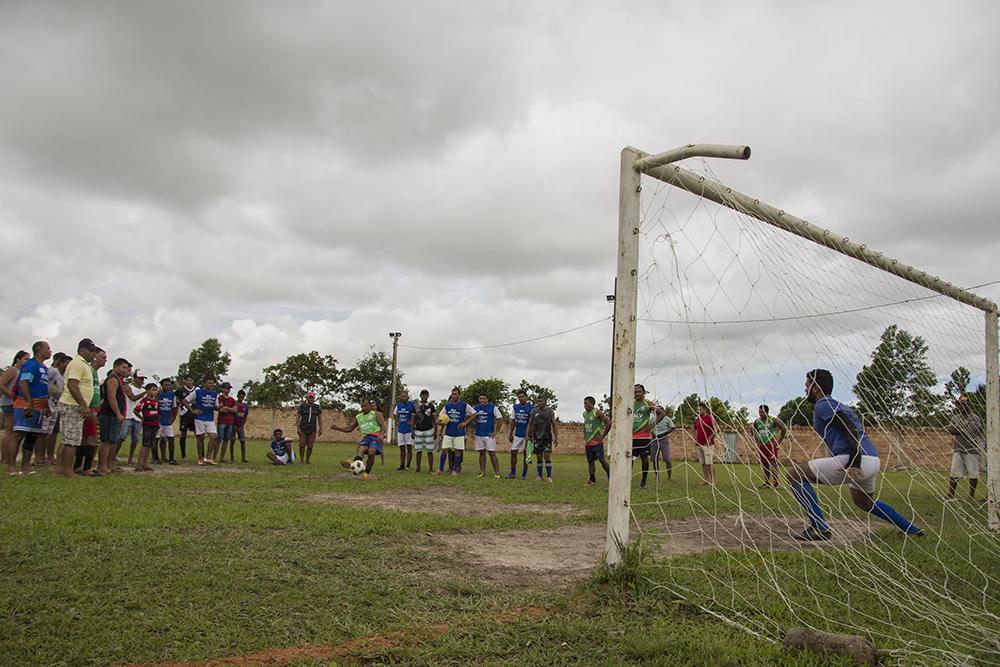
x=723 y=299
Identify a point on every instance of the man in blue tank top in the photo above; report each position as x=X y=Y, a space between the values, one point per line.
x=459 y=414
x=404 y=413
x=488 y=422
x=852 y=459
x=517 y=434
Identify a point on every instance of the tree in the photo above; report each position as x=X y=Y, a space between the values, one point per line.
x=534 y=390
x=896 y=388
x=371 y=377
x=286 y=383
x=687 y=412
x=797 y=412
x=208 y=359
x=496 y=389
x=958 y=384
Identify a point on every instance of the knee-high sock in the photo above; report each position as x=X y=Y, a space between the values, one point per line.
x=548 y=469
x=806 y=495
x=444 y=457
x=458 y=461
x=645 y=469
x=538 y=464
x=183 y=444
x=886 y=512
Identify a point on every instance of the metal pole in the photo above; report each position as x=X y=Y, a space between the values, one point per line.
x=392 y=392
x=992 y=421
x=623 y=360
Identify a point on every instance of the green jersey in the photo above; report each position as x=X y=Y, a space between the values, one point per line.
x=368 y=422
x=592 y=426
x=641 y=421
x=95 y=400
x=766 y=429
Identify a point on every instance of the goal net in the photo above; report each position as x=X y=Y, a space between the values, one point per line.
x=733 y=312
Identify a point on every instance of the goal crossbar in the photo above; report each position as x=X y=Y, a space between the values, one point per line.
x=635 y=163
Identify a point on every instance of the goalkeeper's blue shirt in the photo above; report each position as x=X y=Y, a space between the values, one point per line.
x=836 y=440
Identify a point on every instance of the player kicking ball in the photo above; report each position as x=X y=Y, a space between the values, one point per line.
x=852 y=459
x=373 y=431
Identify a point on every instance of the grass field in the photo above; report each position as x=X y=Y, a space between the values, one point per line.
x=266 y=564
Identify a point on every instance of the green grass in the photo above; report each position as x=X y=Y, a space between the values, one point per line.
x=208 y=564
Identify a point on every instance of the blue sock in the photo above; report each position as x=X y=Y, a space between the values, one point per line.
x=548 y=469
x=806 y=495
x=886 y=512
x=444 y=457
x=539 y=466
x=524 y=473
x=458 y=462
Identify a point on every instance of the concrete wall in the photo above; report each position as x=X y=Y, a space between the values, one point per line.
x=926 y=448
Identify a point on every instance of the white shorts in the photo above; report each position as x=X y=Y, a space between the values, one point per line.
x=832 y=471
x=287 y=458
x=165 y=431
x=518 y=444
x=203 y=426
x=404 y=438
x=484 y=443
x=965 y=463
x=453 y=442
x=705 y=454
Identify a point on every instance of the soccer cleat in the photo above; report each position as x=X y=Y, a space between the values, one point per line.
x=811 y=534
x=345 y=463
x=480 y=476
x=172 y=462
x=512 y=476
x=548 y=479
x=538 y=479
x=364 y=475
x=455 y=473
x=497 y=476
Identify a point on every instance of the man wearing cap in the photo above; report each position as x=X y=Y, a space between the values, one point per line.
x=970 y=437
x=227 y=414
x=74 y=405
x=310 y=425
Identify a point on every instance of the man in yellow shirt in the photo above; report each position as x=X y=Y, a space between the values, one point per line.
x=74 y=405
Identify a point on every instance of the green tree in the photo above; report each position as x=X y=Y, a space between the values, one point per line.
x=207 y=359
x=534 y=390
x=797 y=412
x=287 y=382
x=687 y=411
x=371 y=377
x=958 y=383
x=496 y=389
x=896 y=387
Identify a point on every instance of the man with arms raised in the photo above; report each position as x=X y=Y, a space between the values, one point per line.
x=852 y=459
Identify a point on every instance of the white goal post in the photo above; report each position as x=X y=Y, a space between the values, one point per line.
x=635 y=164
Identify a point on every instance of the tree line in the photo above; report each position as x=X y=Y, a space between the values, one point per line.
x=897 y=387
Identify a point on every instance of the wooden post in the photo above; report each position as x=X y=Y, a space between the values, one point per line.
x=392 y=391
x=992 y=421
x=623 y=361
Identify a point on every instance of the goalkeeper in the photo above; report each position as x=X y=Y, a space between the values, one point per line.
x=852 y=459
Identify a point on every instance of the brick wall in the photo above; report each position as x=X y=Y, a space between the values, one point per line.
x=926 y=448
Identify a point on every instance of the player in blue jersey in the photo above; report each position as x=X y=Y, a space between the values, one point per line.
x=31 y=406
x=166 y=403
x=517 y=434
x=852 y=459
x=460 y=414
x=203 y=407
x=404 y=413
x=488 y=422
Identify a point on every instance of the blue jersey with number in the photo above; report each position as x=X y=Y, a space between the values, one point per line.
x=404 y=411
x=165 y=404
x=833 y=435
x=521 y=414
x=485 y=419
x=204 y=400
x=457 y=413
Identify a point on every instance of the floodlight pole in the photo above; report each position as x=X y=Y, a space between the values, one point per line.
x=394 y=335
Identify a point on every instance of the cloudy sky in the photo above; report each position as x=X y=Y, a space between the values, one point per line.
x=312 y=175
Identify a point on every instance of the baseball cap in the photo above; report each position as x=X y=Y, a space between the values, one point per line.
x=310 y=394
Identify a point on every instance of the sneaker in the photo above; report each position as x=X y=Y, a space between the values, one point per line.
x=497 y=476
x=538 y=479
x=400 y=468
x=480 y=476
x=548 y=479
x=437 y=473
x=512 y=476
x=364 y=475
x=811 y=534
x=172 y=462
x=591 y=482
x=210 y=462
x=455 y=473
x=201 y=462
x=524 y=478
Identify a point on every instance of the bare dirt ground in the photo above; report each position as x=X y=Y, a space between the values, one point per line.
x=572 y=552
x=443 y=500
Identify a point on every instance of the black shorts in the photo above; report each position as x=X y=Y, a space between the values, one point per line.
x=149 y=435
x=640 y=446
x=187 y=421
x=542 y=446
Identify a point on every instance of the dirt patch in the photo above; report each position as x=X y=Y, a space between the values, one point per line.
x=162 y=470
x=443 y=500
x=572 y=552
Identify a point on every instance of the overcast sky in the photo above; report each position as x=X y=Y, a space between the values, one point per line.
x=313 y=175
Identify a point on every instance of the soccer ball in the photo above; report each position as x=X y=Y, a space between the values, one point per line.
x=357 y=467
x=443 y=419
